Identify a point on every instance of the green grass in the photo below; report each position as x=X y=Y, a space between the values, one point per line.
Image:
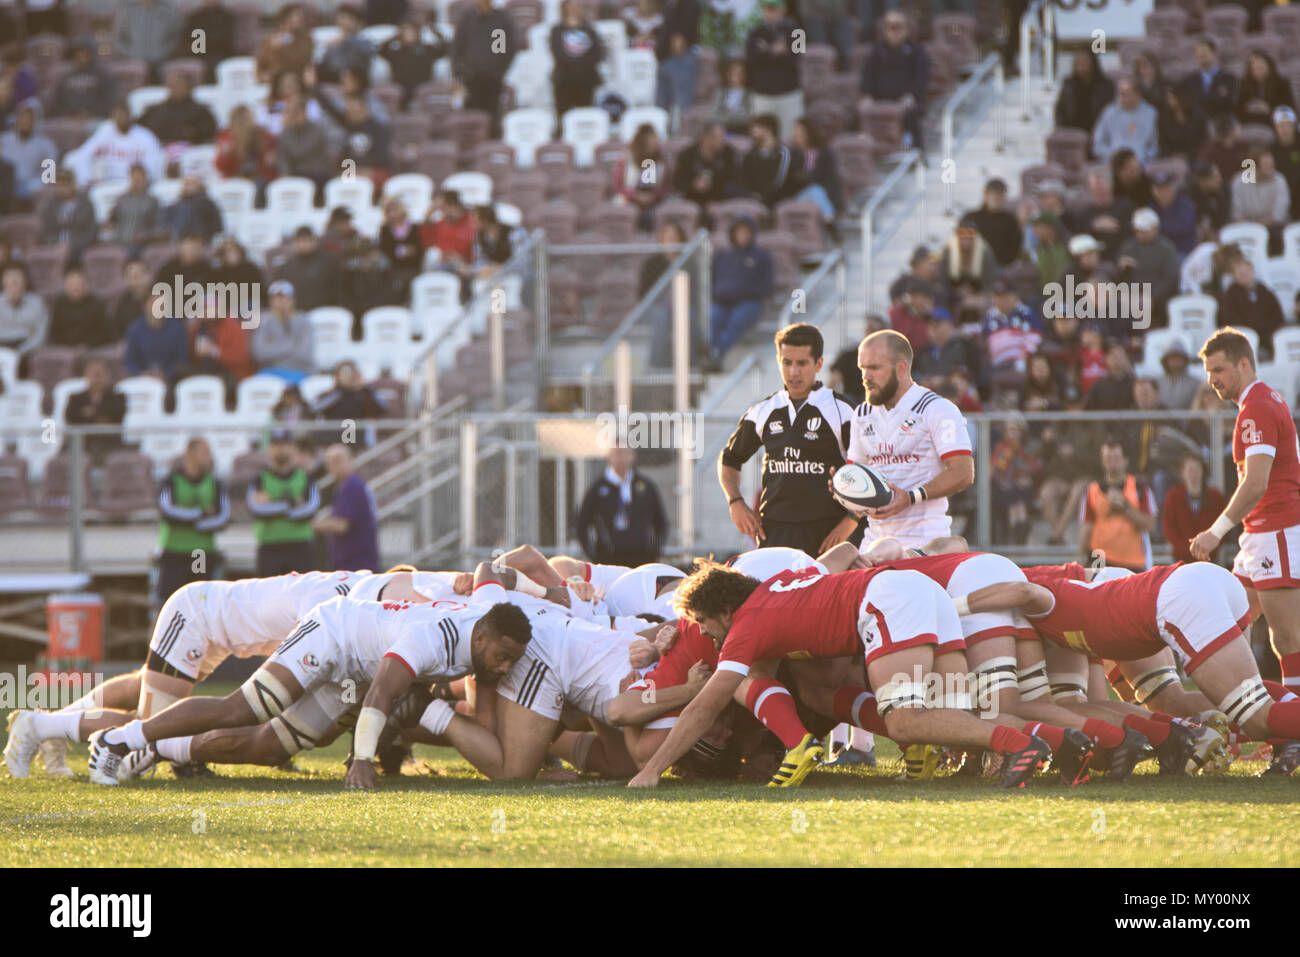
x=262 y=817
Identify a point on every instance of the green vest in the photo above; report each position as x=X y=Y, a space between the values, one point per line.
x=280 y=529
x=187 y=493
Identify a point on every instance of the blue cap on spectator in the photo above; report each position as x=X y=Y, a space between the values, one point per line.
x=281 y=287
x=1284 y=113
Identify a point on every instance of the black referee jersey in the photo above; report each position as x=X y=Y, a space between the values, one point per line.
x=799 y=451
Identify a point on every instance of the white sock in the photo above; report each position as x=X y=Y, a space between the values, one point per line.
x=860 y=740
x=175 y=749
x=58 y=724
x=840 y=735
x=92 y=700
x=131 y=734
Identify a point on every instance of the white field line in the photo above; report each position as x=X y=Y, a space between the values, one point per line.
x=64 y=815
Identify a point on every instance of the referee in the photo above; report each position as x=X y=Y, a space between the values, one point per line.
x=803 y=431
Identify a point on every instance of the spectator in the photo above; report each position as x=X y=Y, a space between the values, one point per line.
x=1265 y=199
x=351 y=522
x=1262 y=90
x=845 y=377
x=1104 y=217
x=912 y=315
x=1199 y=272
x=116 y=145
x=998 y=225
x=219 y=346
x=733 y=104
x=217 y=27
x=1093 y=367
x=1214 y=88
x=86 y=91
x=1286 y=154
x=1113 y=393
x=193 y=506
x=642 y=178
x=1010 y=333
x=1190 y=507
x=576 y=53
x=675 y=51
x=190 y=264
x=967 y=268
x=621 y=519
x=898 y=71
x=1181 y=127
x=1042 y=392
x=1062 y=347
x=944 y=353
x=1149 y=79
x=147 y=30
x=245 y=150
x=1128 y=122
x=303 y=148
x=179 y=121
x=707 y=171
x=78 y=318
x=283 y=341
x=1086 y=265
x=233 y=266
x=399 y=240
x=283 y=500
x=493 y=246
x=1129 y=179
x=661 y=316
x=1248 y=302
x=17 y=80
x=136 y=217
x=1158 y=447
x=98 y=404
x=642 y=22
x=351 y=51
x=769 y=170
x=350 y=398
x=410 y=59
x=1209 y=196
x=27 y=149
x=366 y=138
x=1051 y=255
x=130 y=304
x=1118 y=515
x=1049 y=197
x=312 y=273
x=1084 y=93
x=290 y=408
x=827 y=21
x=450 y=229
x=772 y=65
x=1148 y=257
x=1060 y=487
x=1014 y=474
x=386 y=11
x=1227 y=150
x=194 y=212
x=288 y=47
x=1177 y=387
x=924 y=265
x=156 y=343
x=1177 y=213
x=742 y=279
x=481 y=53
x=24 y=321
x=818 y=169
x=284 y=87
x=68 y=217
x=725 y=25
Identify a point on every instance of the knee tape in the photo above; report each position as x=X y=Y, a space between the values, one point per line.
x=1032 y=682
x=1150 y=683
x=1069 y=686
x=1245 y=700
x=267 y=697
x=900 y=694
x=993 y=677
x=291 y=740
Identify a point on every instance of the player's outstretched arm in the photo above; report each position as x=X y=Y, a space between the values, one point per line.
x=1026 y=596
x=638 y=707
x=697 y=718
x=841 y=558
x=532 y=563
x=392 y=678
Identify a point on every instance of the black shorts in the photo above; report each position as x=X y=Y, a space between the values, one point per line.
x=806 y=536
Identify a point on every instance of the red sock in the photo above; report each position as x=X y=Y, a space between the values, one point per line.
x=772 y=705
x=1291 y=671
x=1050 y=733
x=1007 y=740
x=1155 y=731
x=1161 y=717
x=1284 y=719
x=1279 y=692
x=1103 y=732
x=857 y=706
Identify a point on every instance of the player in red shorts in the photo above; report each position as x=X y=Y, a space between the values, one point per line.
x=893 y=618
x=1267 y=499
x=1197 y=610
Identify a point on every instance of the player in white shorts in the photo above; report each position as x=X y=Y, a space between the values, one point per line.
x=316 y=676
x=914 y=437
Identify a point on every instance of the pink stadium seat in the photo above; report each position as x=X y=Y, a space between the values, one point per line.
x=609 y=154
x=588 y=187
x=683 y=212
x=559 y=219
x=410 y=132
x=1031 y=176
x=67 y=133
x=128 y=75
x=20 y=229
x=615 y=298
x=434 y=100
x=942 y=70
x=436 y=159
x=781 y=246
x=1167 y=25
x=497 y=159
x=45 y=266
x=556 y=160
x=816 y=66
x=524 y=14
x=725 y=213
x=13 y=484
x=389 y=94
x=45 y=48
x=802 y=221
x=467 y=129
x=527 y=191
x=1227 y=24
x=128 y=484
x=1069 y=147
x=196 y=70
x=707 y=77
x=1257 y=135
x=114 y=356
x=50 y=365
x=883 y=122
x=828 y=115
x=564 y=298
x=55 y=493
x=955 y=34
x=104 y=265
x=1195 y=10
x=155 y=254
x=695 y=119
x=617 y=221
x=855 y=158
x=1283 y=23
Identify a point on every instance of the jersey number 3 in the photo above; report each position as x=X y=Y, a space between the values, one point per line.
x=797 y=583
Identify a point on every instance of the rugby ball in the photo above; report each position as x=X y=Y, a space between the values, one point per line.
x=860 y=486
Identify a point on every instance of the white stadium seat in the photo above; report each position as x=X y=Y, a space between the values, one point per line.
x=20 y=409
x=227 y=445
x=200 y=161
x=524 y=131
x=166 y=191
x=386 y=342
x=356 y=193
x=1195 y=316
x=237 y=73
x=256 y=396
x=322 y=37
x=259 y=232
x=144 y=404
x=1154 y=345
x=104 y=195
x=1291 y=244
x=435 y=303
x=315 y=386
x=333 y=336
x=638 y=73
x=62 y=392
x=164 y=446
x=143 y=97
x=631 y=119
x=8 y=366
x=1286 y=346
x=415 y=190
x=1251 y=237
x=475 y=189
x=234 y=197
x=585 y=129
x=529 y=77
x=289 y=200
x=201 y=399
x=218 y=100
x=508 y=215
x=1280 y=276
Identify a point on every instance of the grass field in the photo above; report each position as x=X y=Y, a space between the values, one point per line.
x=450 y=816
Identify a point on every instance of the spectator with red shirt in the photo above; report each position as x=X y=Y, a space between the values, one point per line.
x=246 y=150
x=912 y=315
x=450 y=229
x=1091 y=358
x=219 y=346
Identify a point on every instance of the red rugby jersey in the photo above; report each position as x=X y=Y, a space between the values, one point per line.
x=1111 y=619
x=1264 y=426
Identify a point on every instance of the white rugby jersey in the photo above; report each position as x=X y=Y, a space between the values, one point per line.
x=435 y=586
x=634 y=591
x=431 y=639
x=253 y=615
x=763 y=563
x=907 y=445
x=585 y=662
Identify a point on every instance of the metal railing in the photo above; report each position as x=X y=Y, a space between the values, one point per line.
x=908 y=162
x=1039 y=11
x=991 y=66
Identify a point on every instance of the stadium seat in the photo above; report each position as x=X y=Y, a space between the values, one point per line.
x=637 y=73
x=45 y=265
x=883 y=122
x=356 y=193
x=436 y=160
x=256 y=396
x=1227 y=24
x=141 y=98
x=1280 y=276
x=22 y=230
x=1251 y=335
x=802 y=219
x=435 y=100
x=103 y=265
x=155 y=254
x=725 y=213
x=524 y=131
x=1283 y=22
x=1286 y=346
x=162 y=444
x=386 y=341
x=955 y=33
x=259 y=232
x=128 y=75
x=13 y=484
x=680 y=211
x=816 y=66
x=564 y=298
x=498 y=160
x=1252 y=238
x=166 y=191
x=144 y=404
x=639 y=115
x=524 y=14
x=1194 y=316
x=128 y=485
x=333 y=336
x=467 y=129
x=435 y=303
x=529 y=80
x=192 y=68
x=828 y=115
x=616 y=221
x=50 y=365
x=21 y=407
x=1069 y=147
x=1167 y=25
x=322 y=37
x=227 y=445
x=475 y=189
x=558 y=219
x=527 y=191
x=237 y=73
x=8 y=367
x=55 y=494
x=1154 y=344
x=218 y=100
x=201 y=400
x=290 y=200
x=200 y=161
x=234 y=197
x=1291 y=243
x=415 y=190
x=855 y=159
x=1257 y=135
x=707 y=78
x=508 y=215
x=67 y=133
x=1031 y=176
x=556 y=161
x=60 y=395
x=316 y=385
x=585 y=129
x=104 y=195
x=783 y=248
